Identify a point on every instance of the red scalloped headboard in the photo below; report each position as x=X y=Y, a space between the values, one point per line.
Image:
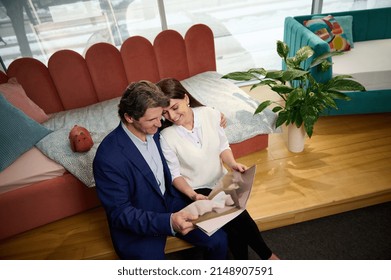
x=71 y=81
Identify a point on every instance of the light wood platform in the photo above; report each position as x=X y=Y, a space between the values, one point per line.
x=345 y=165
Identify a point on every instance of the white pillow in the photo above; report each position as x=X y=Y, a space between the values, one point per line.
x=99 y=119
x=234 y=103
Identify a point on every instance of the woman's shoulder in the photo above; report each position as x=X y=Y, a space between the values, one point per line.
x=208 y=110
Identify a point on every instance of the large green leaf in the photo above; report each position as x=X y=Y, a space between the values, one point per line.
x=291 y=63
x=345 y=85
x=256 y=85
x=341 y=77
x=303 y=54
x=259 y=71
x=282 y=49
x=294 y=97
x=321 y=58
x=338 y=95
x=308 y=111
x=309 y=120
x=267 y=82
x=325 y=65
x=240 y=76
x=263 y=106
x=282 y=89
x=277 y=109
x=295 y=117
x=275 y=74
x=312 y=82
x=293 y=74
x=309 y=128
x=282 y=118
x=329 y=102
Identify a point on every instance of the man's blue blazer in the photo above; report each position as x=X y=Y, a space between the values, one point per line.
x=137 y=212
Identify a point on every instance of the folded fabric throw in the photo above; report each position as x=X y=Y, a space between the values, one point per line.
x=228 y=184
x=200 y=207
x=223 y=194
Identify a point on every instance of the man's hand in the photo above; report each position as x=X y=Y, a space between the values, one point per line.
x=182 y=222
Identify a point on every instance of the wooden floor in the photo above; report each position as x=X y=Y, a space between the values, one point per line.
x=345 y=165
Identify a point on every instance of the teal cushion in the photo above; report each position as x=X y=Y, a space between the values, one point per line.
x=18 y=133
x=346 y=23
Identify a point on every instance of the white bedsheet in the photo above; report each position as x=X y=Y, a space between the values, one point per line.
x=369 y=62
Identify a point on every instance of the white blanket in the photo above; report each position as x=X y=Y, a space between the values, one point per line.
x=237 y=106
x=99 y=119
x=368 y=62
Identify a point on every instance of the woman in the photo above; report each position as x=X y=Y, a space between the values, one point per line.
x=195 y=147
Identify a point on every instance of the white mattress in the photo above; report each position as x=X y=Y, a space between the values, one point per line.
x=369 y=63
x=31 y=167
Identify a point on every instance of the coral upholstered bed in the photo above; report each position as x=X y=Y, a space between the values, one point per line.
x=36 y=187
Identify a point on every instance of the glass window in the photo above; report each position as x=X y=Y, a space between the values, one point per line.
x=38 y=28
x=330 y=6
x=245 y=31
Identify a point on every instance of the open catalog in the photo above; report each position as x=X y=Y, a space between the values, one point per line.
x=227 y=200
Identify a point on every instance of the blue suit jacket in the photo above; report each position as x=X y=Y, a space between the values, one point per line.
x=137 y=212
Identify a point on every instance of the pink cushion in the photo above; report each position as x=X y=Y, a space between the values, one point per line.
x=31 y=167
x=16 y=95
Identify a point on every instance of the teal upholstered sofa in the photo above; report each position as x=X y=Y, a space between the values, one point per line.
x=373 y=24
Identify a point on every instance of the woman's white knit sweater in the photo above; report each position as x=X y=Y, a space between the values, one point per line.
x=201 y=167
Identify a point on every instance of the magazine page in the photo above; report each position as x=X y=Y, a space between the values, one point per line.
x=227 y=200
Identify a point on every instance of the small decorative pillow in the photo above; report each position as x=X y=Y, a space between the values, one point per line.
x=346 y=23
x=330 y=31
x=16 y=95
x=80 y=139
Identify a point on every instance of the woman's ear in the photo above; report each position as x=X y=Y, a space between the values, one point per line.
x=187 y=99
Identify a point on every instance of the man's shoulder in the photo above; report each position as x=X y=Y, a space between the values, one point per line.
x=110 y=140
x=112 y=134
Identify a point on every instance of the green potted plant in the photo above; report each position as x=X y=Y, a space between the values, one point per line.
x=304 y=98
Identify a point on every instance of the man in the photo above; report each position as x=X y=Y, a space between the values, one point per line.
x=134 y=183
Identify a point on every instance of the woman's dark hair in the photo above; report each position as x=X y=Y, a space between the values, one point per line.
x=140 y=96
x=173 y=89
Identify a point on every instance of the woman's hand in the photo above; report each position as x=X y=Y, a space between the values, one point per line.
x=198 y=196
x=223 y=121
x=239 y=167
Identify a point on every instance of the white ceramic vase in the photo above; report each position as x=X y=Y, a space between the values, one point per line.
x=296 y=138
